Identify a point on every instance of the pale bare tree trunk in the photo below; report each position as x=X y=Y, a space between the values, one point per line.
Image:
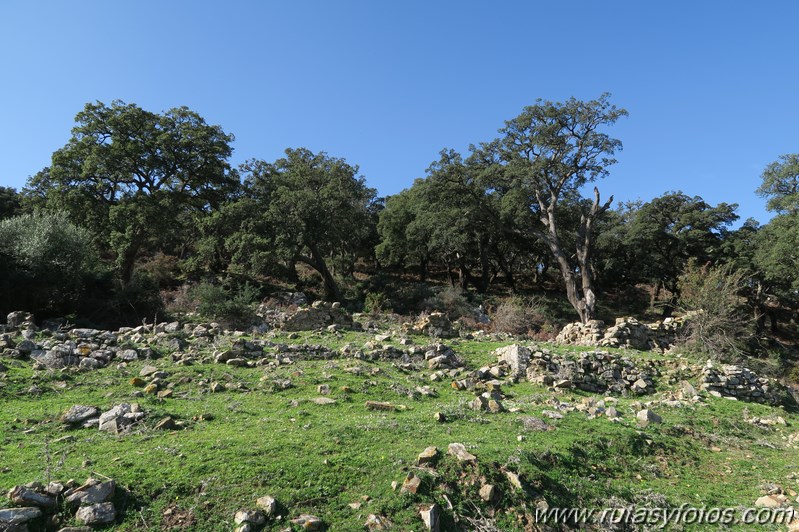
x=582 y=294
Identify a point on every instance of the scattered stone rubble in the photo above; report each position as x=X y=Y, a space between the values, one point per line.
x=494 y=493
x=593 y=371
x=91 y=503
x=627 y=332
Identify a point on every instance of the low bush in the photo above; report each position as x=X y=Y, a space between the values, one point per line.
x=46 y=263
x=517 y=315
x=376 y=303
x=452 y=301
x=720 y=324
x=234 y=306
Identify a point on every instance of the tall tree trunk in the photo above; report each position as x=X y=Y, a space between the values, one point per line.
x=585 y=244
x=655 y=295
x=485 y=266
x=450 y=275
x=317 y=262
x=759 y=309
x=772 y=316
x=128 y=261
x=422 y=270
x=464 y=276
x=506 y=270
x=291 y=272
x=581 y=295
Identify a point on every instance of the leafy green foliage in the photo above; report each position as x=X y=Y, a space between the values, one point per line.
x=375 y=303
x=47 y=262
x=777 y=253
x=552 y=149
x=309 y=208
x=10 y=202
x=781 y=184
x=137 y=178
x=234 y=305
x=452 y=301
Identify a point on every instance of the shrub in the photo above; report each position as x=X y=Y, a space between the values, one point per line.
x=720 y=324
x=233 y=306
x=516 y=315
x=139 y=300
x=161 y=268
x=47 y=261
x=452 y=301
x=375 y=303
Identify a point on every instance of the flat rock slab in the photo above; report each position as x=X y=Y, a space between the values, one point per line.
x=28 y=497
x=93 y=492
x=376 y=405
x=19 y=516
x=535 y=424
x=324 y=401
x=79 y=414
x=308 y=522
x=458 y=450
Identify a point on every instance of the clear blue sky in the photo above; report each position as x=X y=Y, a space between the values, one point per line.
x=712 y=87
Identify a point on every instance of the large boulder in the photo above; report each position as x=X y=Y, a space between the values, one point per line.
x=517 y=357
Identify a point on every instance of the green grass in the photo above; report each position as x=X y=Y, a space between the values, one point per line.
x=319 y=458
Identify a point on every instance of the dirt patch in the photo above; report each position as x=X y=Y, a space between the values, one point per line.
x=174 y=517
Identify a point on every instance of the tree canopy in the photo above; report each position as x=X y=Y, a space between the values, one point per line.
x=314 y=209
x=781 y=184
x=135 y=177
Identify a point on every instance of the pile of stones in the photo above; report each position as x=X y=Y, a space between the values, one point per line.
x=116 y=420
x=592 y=371
x=320 y=315
x=627 y=332
x=493 y=493
x=38 y=507
x=738 y=382
x=294 y=314
x=577 y=333
x=435 y=324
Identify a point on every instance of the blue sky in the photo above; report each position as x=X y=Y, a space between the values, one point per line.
x=711 y=86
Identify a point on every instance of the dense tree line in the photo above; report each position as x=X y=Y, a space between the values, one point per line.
x=136 y=202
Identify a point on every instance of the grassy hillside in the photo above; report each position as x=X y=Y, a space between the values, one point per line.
x=337 y=461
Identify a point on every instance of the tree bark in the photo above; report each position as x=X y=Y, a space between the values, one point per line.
x=129 y=258
x=506 y=270
x=485 y=267
x=422 y=270
x=579 y=290
x=317 y=262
